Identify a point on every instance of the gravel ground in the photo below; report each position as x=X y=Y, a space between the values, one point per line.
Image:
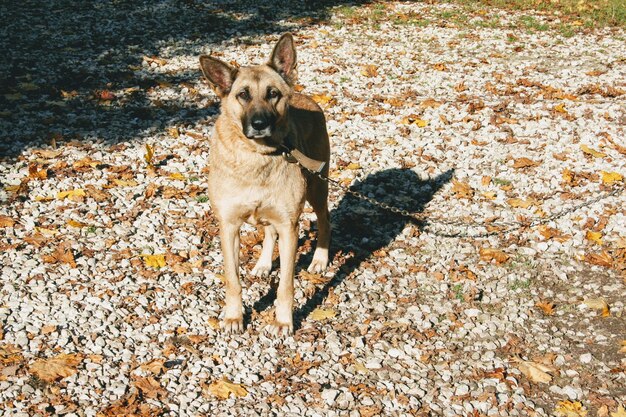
x=111 y=288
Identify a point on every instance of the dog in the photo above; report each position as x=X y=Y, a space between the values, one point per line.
x=253 y=176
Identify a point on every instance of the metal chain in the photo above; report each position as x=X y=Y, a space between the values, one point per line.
x=429 y=219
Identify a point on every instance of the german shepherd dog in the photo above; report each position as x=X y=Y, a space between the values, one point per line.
x=251 y=180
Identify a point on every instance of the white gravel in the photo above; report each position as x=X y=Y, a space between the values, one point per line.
x=424 y=324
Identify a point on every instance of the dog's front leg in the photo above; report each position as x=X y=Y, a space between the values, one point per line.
x=287 y=246
x=233 y=309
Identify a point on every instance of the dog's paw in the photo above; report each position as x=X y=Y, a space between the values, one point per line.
x=262 y=269
x=278 y=329
x=318 y=266
x=232 y=325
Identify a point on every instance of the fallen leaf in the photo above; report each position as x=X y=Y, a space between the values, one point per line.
x=353 y=166
x=324 y=99
x=105 y=95
x=35 y=173
x=414 y=120
x=173 y=131
x=600 y=259
x=587 y=150
x=490 y=254
x=154 y=261
x=155 y=366
x=59 y=367
x=10 y=354
x=595 y=237
x=74 y=194
x=320 y=314
x=536 y=372
x=546 y=306
x=519 y=203
x=440 y=66
x=623 y=348
x=360 y=367
x=62 y=254
x=176 y=176
x=124 y=183
x=462 y=189
x=369 y=70
x=619 y=413
x=214 y=323
x=560 y=108
x=149 y=155
x=149 y=387
x=611 y=177
x=77 y=224
x=6 y=221
x=598 y=304
x=489 y=195
x=222 y=389
x=570 y=409
x=567 y=175
x=551 y=233
x=525 y=163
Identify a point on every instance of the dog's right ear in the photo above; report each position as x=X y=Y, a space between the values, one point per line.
x=219 y=74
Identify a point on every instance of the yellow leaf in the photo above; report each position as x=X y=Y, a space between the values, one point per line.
x=462 y=189
x=611 y=177
x=177 y=176
x=173 y=131
x=75 y=223
x=560 y=108
x=489 y=195
x=46 y=232
x=570 y=409
x=323 y=99
x=595 y=237
x=596 y=154
x=518 y=202
x=536 y=372
x=360 y=367
x=124 y=183
x=222 y=389
x=598 y=304
x=619 y=413
x=71 y=194
x=52 y=369
x=568 y=176
x=320 y=314
x=414 y=120
x=369 y=70
x=623 y=348
x=214 y=323
x=353 y=166
x=154 y=261
x=149 y=155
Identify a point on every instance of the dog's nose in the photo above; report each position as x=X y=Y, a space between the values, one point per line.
x=259 y=122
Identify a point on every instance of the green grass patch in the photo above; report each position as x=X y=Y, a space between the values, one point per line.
x=501 y=181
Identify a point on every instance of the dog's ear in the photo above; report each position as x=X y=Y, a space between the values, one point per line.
x=283 y=58
x=219 y=74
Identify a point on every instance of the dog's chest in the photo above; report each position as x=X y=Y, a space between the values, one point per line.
x=267 y=194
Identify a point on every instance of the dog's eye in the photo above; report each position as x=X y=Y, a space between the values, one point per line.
x=244 y=95
x=273 y=94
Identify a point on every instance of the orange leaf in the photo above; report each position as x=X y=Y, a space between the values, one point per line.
x=462 y=189
x=369 y=71
x=6 y=221
x=490 y=254
x=546 y=306
x=525 y=163
x=59 y=367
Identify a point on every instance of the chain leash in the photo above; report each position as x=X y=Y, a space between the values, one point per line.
x=429 y=220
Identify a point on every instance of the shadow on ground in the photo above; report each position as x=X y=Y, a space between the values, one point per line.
x=59 y=54
x=361 y=229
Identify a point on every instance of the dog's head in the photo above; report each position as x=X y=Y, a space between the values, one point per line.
x=258 y=96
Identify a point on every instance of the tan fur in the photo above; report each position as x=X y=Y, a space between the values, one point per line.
x=249 y=181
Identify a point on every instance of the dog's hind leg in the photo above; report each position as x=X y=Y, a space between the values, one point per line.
x=263 y=265
x=317 y=196
x=233 y=307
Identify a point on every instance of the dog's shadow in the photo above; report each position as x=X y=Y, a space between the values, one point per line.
x=360 y=228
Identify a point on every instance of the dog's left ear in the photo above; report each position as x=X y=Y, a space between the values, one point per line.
x=283 y=58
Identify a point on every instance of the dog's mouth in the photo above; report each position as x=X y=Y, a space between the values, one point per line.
x=252 y=133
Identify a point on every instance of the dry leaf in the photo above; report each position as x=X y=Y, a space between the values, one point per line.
x=619 y=413
x=536 y=372
x=124 y=183
x=519 y=203
x=595 y=237
x=36 y=173
x=320 y=314
x=149 y=387
x=149 y=155
x=6 y=221
x=560 y=108
x=173 y=131
x=546 y=306
x=598 y=304
x=600 y=259
x=74 y=194
x=623 y=348
x=214 y=323
x=353 y=166
x=570 y=409
x=369 y=70
x=551 y=233
x=176 y=176
x=440 y=66
x=59 y=367
x=462 y=189
x=414 y=119
x=77 y=224
x=154 y=261
x=10 y=354
x=490 y=254
x=62 y=254
x=525 y=163
x=324 y=99
x=222 y=389
x=587 y=150
x=155 y=366
x=611 y=177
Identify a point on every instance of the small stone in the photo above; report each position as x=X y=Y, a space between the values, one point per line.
x=329 y=395
x=586 y=358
